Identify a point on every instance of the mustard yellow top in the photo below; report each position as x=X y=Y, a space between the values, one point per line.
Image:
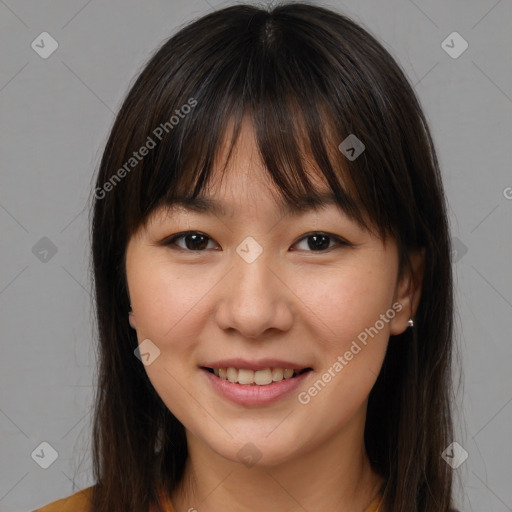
x=79 y=502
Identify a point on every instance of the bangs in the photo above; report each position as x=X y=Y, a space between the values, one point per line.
x=303 y=100
x=295 y=158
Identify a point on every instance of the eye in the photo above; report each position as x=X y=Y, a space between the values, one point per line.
x=193 y=240
x=320 y=241
x=315 y=242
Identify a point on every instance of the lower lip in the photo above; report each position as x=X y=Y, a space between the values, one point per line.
x=253 y=395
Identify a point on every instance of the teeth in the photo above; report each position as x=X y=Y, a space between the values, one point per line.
x=288 y=373
x=277 y=374
x=258 y=377
x=232 y=375
x=244 y=376
x=263 y=377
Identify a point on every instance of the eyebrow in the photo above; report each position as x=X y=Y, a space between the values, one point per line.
x=307 y=202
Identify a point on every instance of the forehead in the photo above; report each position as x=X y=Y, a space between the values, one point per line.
x=247 y=174
x=205 y=204
x=236 y=177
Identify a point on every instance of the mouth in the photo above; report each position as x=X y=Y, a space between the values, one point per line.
x=260 y=377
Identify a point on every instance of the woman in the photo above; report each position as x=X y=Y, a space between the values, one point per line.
x=273 y=281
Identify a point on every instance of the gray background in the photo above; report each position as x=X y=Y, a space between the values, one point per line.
x=55 y=116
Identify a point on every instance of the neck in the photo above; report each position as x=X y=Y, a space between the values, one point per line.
x=336 y=475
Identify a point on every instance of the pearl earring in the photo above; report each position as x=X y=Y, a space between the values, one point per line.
x=410 y=322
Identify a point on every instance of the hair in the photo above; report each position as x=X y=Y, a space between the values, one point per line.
x=306 y=77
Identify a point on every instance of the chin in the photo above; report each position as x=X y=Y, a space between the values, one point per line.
x=256 y=450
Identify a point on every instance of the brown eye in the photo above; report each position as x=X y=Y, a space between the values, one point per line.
x=192 y=241
x=320 y=242
x=195 y=241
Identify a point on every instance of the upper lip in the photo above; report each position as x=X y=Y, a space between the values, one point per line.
x=259 y=364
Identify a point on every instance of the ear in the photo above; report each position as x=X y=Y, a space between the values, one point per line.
x=408 y=291
x=131 y=318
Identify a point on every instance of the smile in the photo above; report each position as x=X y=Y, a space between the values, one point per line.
x=250 y=377
x=253 y=388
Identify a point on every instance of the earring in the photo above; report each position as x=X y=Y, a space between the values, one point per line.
x=410 y=322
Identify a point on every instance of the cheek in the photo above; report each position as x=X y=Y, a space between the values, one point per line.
x=343 y=304
x=351 y=338
x=166 y=300
x=168 y=305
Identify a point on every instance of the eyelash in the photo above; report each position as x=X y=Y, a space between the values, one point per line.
x=338 y=240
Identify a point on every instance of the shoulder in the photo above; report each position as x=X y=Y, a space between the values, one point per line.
x=78 y=502
x=81 y=502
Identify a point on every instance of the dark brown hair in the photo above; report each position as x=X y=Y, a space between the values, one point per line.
x=307 y=78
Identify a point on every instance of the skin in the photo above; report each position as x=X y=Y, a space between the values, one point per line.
x=292 y=302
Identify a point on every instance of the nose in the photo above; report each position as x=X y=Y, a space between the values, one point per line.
x=254 y=299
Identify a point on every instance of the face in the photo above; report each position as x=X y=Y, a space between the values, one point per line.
x=251 y=294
